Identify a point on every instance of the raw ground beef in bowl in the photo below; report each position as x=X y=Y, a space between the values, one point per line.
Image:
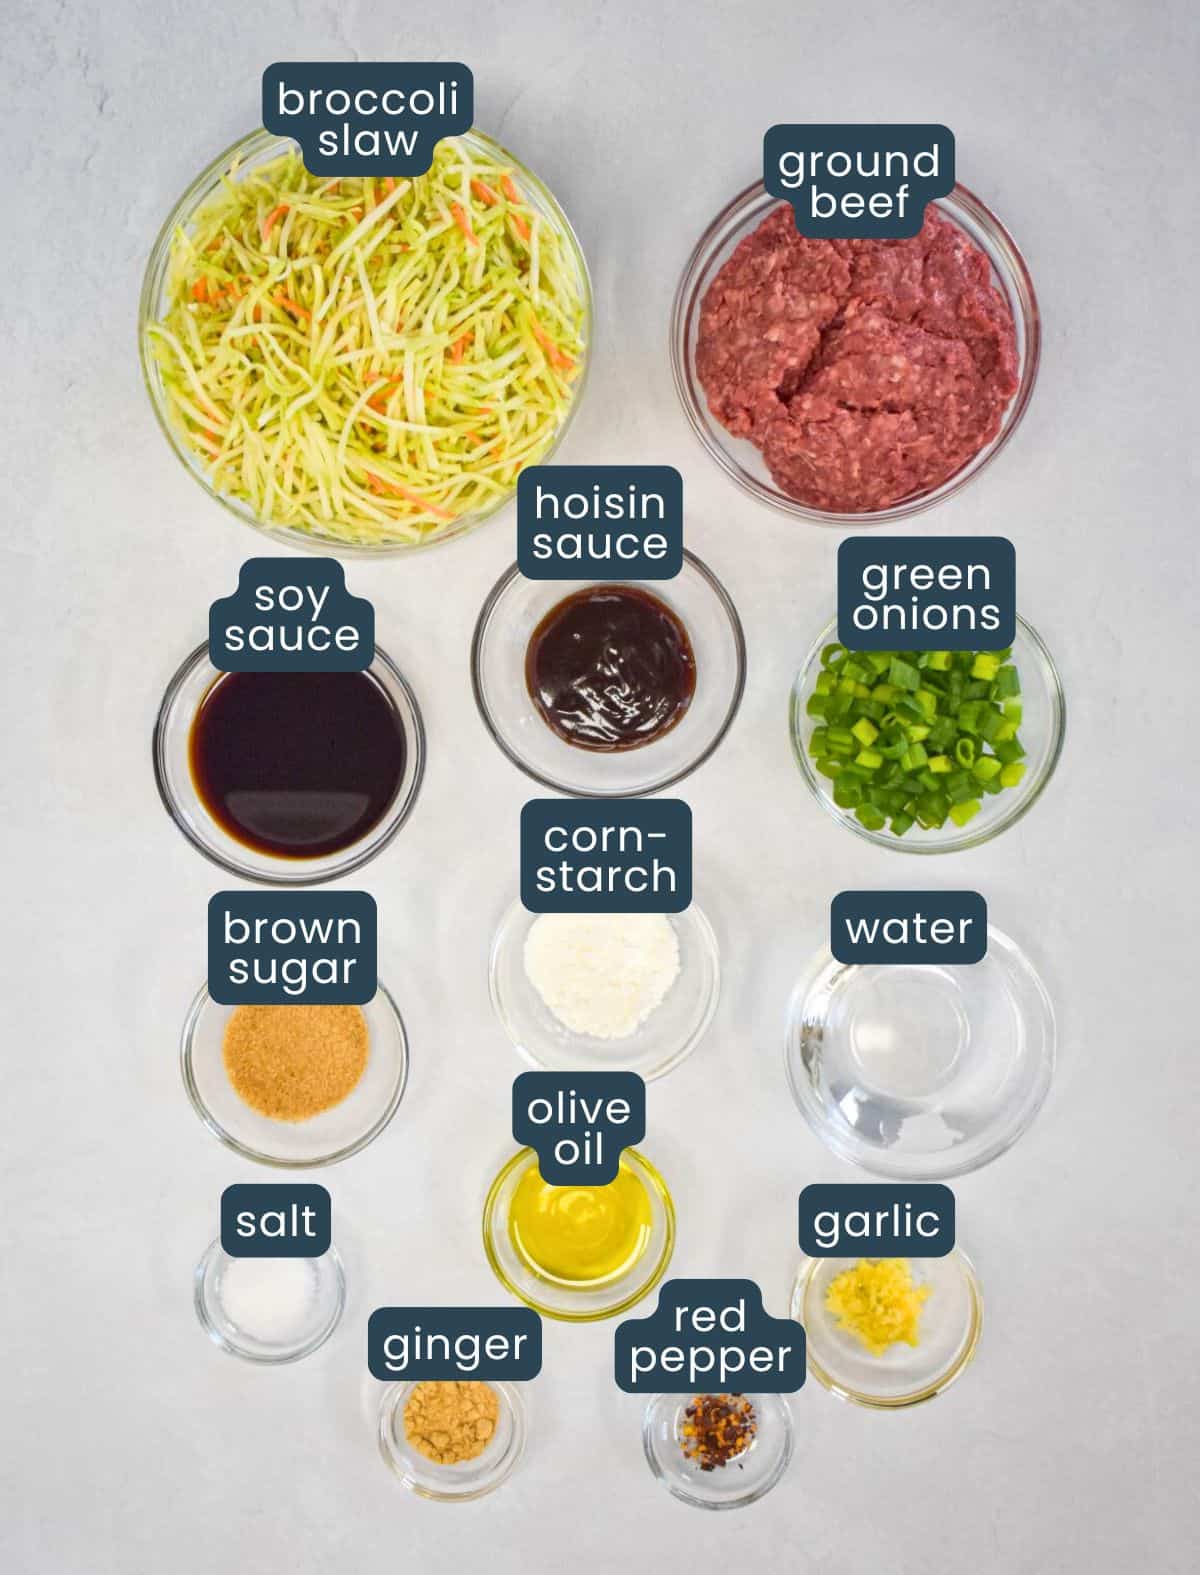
x=871 y=376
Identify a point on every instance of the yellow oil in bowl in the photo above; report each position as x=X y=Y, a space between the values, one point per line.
x=579 y=1235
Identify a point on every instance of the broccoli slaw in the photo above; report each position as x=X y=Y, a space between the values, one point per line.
x=371 y=362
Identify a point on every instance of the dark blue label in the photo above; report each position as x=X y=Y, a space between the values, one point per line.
x=847 y=182
x=355 y=118
x=579 y=1122
x=927 y=593
x=296 y=948
x=599 y=522
x=444 y=1344
x=276 y=1220
x=610 y=856
x=291 y=615
x=877 y=1221
x=709 y=1336
x=908 y=927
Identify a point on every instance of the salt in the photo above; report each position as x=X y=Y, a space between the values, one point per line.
x=269 y=1299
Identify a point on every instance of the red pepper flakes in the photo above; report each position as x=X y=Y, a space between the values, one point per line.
x=716 y=1429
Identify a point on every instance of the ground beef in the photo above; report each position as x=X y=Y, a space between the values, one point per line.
x=865 y=371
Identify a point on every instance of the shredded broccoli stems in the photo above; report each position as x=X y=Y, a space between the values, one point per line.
x=370 y=358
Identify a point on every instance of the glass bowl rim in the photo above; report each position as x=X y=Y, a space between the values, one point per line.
x=743 y=1500
x=842 y=1148
x=249 y=146
x=658 y=1191
x=725 y=601
x=368 y=847
x=219 y=1339
x=964 y=838
x=928 y=1391
x=389 y=1404
x=200 y=1000
x=711 y=949
x=1023 y=299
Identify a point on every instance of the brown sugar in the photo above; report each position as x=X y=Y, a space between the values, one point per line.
x=451 y=1422
x=292 y=1062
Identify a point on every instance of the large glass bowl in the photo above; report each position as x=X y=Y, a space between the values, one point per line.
x=920 y=1071
x=508 y=618
x=252 y=151
x=739 y=458
x=1043 y=727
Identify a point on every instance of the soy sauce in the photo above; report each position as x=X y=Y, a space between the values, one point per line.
x=298 y=765
x=610 y=667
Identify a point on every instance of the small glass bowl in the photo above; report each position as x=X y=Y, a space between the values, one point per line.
x=466 y=1479
x=1042 y=730
x=327 y=1304
x=508 y=618
x=251 y=152
x=920 y=1071
x=951 y=1324
x=173 y=774
x=323 y=1139
x=744 y=1480
x=580 y=1302
x=738 y=457
x=658 y=1045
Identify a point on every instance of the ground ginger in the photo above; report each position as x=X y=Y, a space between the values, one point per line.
x=451 y=1422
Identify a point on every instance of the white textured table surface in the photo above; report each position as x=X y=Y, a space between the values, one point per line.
x=133 y=1445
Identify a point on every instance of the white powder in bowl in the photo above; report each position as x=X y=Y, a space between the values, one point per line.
x=602 y=974
x=269 y=1299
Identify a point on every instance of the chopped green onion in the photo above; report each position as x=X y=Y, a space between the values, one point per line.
x=960 y=814
x=916 y=738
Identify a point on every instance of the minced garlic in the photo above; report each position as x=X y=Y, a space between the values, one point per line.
x=877 y=1301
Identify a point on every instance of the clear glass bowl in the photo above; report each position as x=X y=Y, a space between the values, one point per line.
x=739 y=458
x=326 y=1304
x=323 y=1139
x=173 y=774
x=466 y=1479
x=507 y=620
x=920 y=1072
x=744 y=1480
x=1043 y=728
x=658 y=1045
x=577 y=1302
x=950 y=1327
x=252 y=151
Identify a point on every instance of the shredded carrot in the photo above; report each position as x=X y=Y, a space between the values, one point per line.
x=271 y=220
x=508 y=187
x=389 y=184
x=484 y=192
x=464 y=224
x=377 y=484
x=378 y=401
x=458 y=348
x=553 y=354
x=200 y=289
x=289 y=305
